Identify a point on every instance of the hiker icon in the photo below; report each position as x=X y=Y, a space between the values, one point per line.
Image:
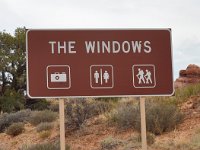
x=148 y=77
x=144 y=76
x=140 y=76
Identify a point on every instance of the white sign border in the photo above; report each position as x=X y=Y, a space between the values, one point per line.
x=68 y=75
x=143 y=87
x=102 y=86
x=113 y=29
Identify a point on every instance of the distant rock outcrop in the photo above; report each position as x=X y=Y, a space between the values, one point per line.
x=189 y=76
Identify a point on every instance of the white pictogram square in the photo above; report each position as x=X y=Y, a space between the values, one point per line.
x=144 y=76
x=101 y=76
x=58 y=77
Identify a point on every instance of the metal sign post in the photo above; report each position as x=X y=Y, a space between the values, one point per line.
x=143 y=123
x=62 y=123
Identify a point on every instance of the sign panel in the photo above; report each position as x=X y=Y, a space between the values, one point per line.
x=68 y=63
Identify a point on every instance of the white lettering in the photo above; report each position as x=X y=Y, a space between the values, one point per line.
x=98 y=47
x=116 y=46
x=90 y=46
x=147 y=46
x=61 y=46
x=136 y=46
x=109 y=47
x=106 y=46
x=52 y=46
x=66 y=46
x=71 y=46
x=125 y=45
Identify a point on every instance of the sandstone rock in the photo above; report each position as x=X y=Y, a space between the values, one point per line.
x=189 y=76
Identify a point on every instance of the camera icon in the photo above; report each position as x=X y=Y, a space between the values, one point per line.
x=58 y=77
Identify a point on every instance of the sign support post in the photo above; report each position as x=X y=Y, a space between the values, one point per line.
x=62 y=123
x=143 y=123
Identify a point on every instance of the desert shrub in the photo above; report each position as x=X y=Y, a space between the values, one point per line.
x=186 y=92
x=7 y=119
x=44 y=126
x=44 y=134
x=124 y=116
x=77 y=111
x=109 y=143
x=15 y=129
x=132 y=142
x=181 y=95
x=11 y=101
x=100 y=107
x=42 y=116
x=37 y=104
x=108 y=99
x=150 y=138
x=160 y=117
x=54 y=107
x=44 y=146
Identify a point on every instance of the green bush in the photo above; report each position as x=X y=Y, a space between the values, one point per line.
x=94 y=108
x=160 y=117
x=42 y=116
x=125 y=116
x=133 y=142
x=11 y=101
x=182 y=94
x=108 y=99
x=54 y=107
x=37 y=104
x=44 y=146
x=15 y=129
x=7 y=119
x=77 y=111
x=44 y=126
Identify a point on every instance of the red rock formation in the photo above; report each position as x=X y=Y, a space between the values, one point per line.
x=189 y=76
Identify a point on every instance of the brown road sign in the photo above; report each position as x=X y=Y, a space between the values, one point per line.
x=63 y=63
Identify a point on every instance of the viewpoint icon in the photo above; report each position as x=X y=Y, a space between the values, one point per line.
x=58 y=77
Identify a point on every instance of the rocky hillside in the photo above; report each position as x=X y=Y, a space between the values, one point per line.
x=189 y=76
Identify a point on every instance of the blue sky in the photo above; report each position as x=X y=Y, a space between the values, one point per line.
x=183 y=16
